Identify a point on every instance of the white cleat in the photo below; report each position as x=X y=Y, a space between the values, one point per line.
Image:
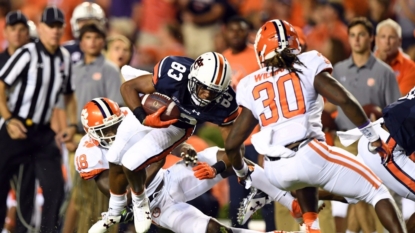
x=142 y=219
x=105 y=223
x=255 y=200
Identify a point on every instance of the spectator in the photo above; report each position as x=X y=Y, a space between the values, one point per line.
x=200 y=22
x=26 y=138
x=330 y=25
x=406 y=18
x=388 y=49
x=241 y=57
x=380 y=10
x=119 y=50
x=372 y=82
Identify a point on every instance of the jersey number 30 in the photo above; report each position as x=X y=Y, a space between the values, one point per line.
x=271 y=103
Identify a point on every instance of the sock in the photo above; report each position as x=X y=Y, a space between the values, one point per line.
x=347 y=231
x=240 y=230
x=117 y=204
x=311 y=220
x=260 y=181
x=138 y=197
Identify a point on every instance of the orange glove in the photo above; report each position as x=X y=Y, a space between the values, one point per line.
x=154 y=121
x=383 y=150
x=203 y=171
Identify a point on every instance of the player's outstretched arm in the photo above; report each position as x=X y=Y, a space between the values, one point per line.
x=131 y=89
x=239 y=132
x=331 y=89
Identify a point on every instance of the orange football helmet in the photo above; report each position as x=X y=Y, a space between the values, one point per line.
x=100 y=118
x=275 y=35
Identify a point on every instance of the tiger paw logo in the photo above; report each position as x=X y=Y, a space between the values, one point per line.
x=84 y=117
x=198 y=63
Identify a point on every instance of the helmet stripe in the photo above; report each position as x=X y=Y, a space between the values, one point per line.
x=277 y=32
x=284 y=31
x=102 y=107
x=220 y=73
x=214 y=72
x=281 y=33
x=225 y=70
x=108 y=107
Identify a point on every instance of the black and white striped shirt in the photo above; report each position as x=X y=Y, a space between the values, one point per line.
x=35 y=79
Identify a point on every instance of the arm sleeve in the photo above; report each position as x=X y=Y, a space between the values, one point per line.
x=14 y=66
x=112 y=85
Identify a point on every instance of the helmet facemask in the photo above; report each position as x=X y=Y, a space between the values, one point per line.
x=105 y=134
x=195 y=87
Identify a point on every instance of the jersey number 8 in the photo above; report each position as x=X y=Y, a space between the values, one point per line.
x=271 y=103
x=176 y=67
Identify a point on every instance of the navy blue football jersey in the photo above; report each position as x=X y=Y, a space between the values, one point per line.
x=170 y=77
x=400 y=120
x=75 y=50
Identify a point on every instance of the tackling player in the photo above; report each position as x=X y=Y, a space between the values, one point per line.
x=285 y=98
x=102 y=120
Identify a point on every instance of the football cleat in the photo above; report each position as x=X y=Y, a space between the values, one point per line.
x=255 y=200
x=105 y=223
x=142 y=219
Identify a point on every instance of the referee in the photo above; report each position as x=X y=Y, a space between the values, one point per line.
x=34 y=77
x=16 y=33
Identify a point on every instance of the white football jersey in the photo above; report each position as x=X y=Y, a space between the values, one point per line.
x=285 y=104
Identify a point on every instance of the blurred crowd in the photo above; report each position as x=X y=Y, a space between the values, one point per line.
x=141 y=32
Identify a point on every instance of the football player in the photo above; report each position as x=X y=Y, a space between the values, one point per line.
x=84 y=13
x=102 y=120
x=396 y=128
x=285 y=97
x=200 y=88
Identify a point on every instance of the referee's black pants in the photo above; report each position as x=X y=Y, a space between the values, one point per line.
x=37 y=156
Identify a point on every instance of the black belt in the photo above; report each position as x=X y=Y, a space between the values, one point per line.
x=151 y=197
x=292 y=146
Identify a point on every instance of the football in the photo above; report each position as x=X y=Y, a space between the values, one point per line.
x=373 y=109
x=153 y=102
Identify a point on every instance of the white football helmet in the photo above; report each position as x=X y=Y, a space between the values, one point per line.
x=209 y=71
x=85 y=11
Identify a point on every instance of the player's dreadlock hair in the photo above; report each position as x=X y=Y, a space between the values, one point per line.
x=283 y=60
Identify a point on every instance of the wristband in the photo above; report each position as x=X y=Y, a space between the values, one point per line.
x=369 y=132
x=242 y=172
x=219 y=167
x=139 y=113
x=73 y=125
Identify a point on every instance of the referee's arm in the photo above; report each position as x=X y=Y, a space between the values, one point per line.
x=8 y=76
x=70 y=105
